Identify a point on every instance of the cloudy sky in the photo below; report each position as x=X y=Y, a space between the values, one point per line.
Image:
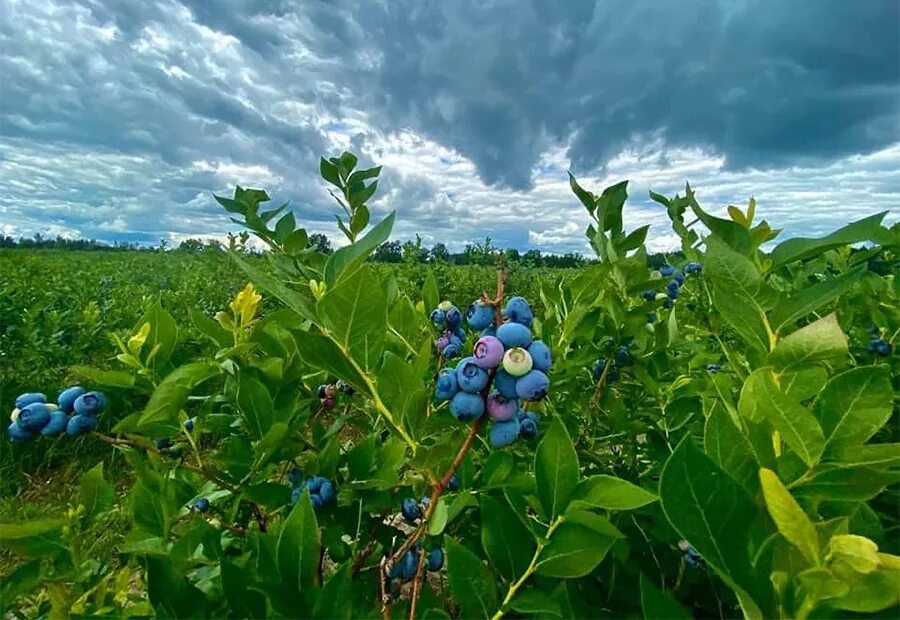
x=120 y=118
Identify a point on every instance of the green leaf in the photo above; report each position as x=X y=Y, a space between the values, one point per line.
x=335 y=600
x=790 y=519
x=285 y=227
x=471 y=582
x=707 y=507
x=359 y=220
x=351 y=255
x=329 y=172
x=211 y=329
x=506 y=541
x=738 y=293
x=321 y=352
x=586 y=197
x=30 y=527
x=363 y=175
x=803 y=384
x=847 y=484
x=346 y=164
x=296 y=242
x=872 y=455
x=430 y=293
x=247 y=603
x=170 y=592
x=160 y=416
x=535 y=601
x=298 y=549
x=106 y=378
x=360 y=193
x=555 y=469
x=301 y=303
x=21 y=580
x=811 y=298
x=819 y=341
x=733 y=234
x=94 y=492
x=610 y=493
x=163 y=332
x=438 y=520
x=657 y=605
x=854 y=405
x=577 y=546
x=270 y=494
x=256 y=405
x=800 y=248
x=355 y=314
x=796 y=423
x=148 y=509
x=727 y=446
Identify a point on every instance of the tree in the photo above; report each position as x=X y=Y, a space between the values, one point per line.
x=439 y=253
x=320 y=242
x=388 y=252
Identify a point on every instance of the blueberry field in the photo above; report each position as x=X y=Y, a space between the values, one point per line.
x=301 y=434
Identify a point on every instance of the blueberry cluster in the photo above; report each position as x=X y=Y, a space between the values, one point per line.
x=406 y=568
x=327 y=393
x=321 y=490
x=673 y=286
x=412 y=510
x=878 y=346
x=448 y=319
x=622 y=358
x=74 y=413
x=505 y=369
x=691 y=557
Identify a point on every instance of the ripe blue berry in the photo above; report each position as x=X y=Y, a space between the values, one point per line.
x=326 y=492
x=189 y=424
x=505 y=384
x=57 y=424
x=666 y=271
x=540 y=356
x=504 y=433
x=471 y=377
x=90 y=403
x=672 y=289
x=453 y=317
x=466 y=406
x=439 y=317
x=518 y=310
x=80 y=424
x=533 y=386
x=320 y=392
x=162 y=443
x=693 y=267
x=668 y=304
x=202 y=504
x=514 y=335
x=453 y=484
x=17 y=433
x=28 y=398
x=479 y=315
x=623 y=357
x=451 y=351
x=529 y=424
x=435 y=559
x=66 y=398
x=713 y=368
x=295 y=475
x=34 y=417
x=488 y=352
x=408 y=566
x=446 y=385
x=649 y=295
x=410 y=509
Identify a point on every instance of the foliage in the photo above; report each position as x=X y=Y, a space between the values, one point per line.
x=743 y=462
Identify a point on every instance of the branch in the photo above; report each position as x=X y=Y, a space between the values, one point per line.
x=417 y=584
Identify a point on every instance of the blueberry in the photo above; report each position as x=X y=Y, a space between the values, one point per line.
x=162 y=443
x=460 y=334
x=202 y=504
x=479 y=315
x=668 y=304
x=80 y=424
x=346 y=389
x=649 y=295
x=490 y=330
x=454 y=318
x=465 y=406
x=501 y=408
x=28 y=398
x=410 y=510
x=528 y=424
x=57 y=424
x=518 y=310
x=451 y=351
x=514 y=335
x=16 y=433
x=189 y=424
x=533 y=386
x=504 y=433
x=679 y=277
x=693 y=267
x=611 y=376
x=34 y=417
x=316 y=500
x=90 y=403
x=540 y=356
x=470 y=377
x=320 y=392
x=439 y=317
x=409 y=564
x=66 y=398
x=435 y=559
x=175 y=453
x=314 y=484
x=326 y=492
x=453 y=484
x=296 y=493
x=517 y=362
x=672 y=289
x=623 y=357
x=441 y=342
x=295 y=475
x=424 y=502
x=713 y=368
x=874 y=330
x=505 y=384
x=446 y=385
x=488 y=352
x=651 y=317
x=666 y=270
x=880 y=347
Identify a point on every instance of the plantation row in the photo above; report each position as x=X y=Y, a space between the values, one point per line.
x=717 y=437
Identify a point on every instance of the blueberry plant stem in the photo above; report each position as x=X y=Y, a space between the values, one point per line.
x=532 y=567
x=417 y=584
x=601 y=383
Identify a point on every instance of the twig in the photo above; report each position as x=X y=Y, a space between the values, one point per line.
x=601 y=384
x=417 y=584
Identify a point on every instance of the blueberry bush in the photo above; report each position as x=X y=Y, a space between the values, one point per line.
x=714 y=438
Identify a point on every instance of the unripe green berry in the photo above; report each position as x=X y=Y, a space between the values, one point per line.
x=517 y=361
